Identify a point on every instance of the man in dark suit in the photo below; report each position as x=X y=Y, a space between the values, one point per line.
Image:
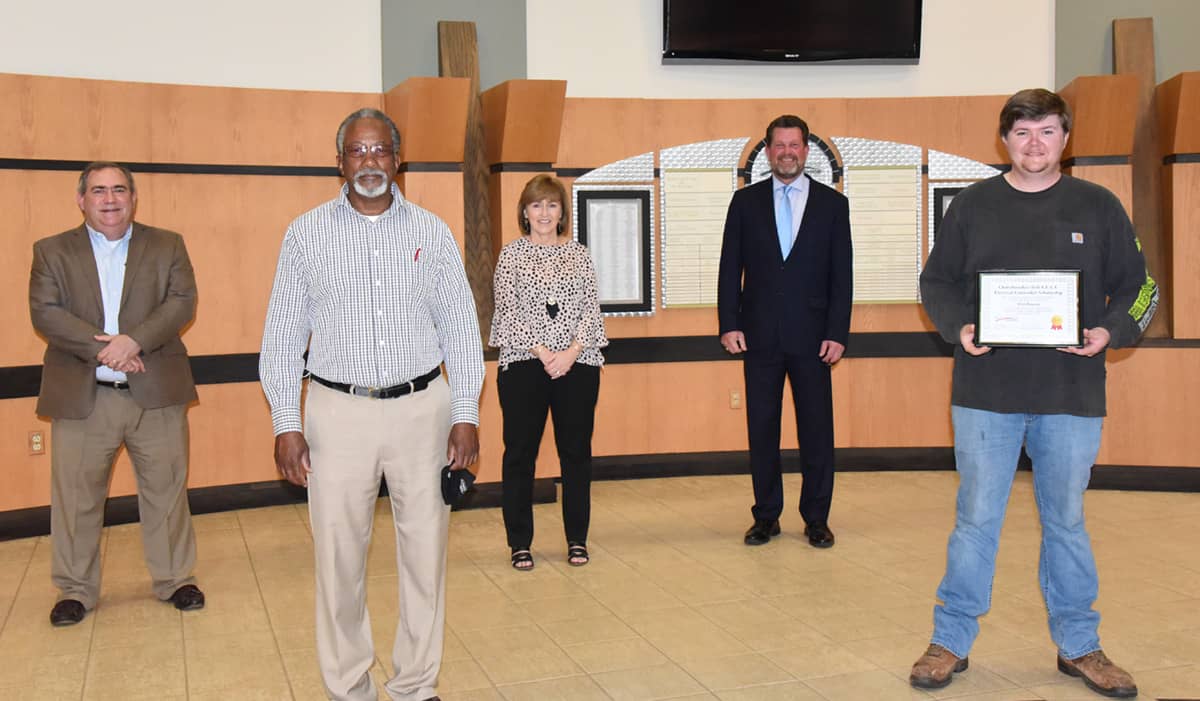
x=784 y=301
x=111 y=297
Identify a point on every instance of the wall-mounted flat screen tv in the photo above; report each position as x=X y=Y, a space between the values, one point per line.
x=800 y=31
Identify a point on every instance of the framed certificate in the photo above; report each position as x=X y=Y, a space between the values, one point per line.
x=615 y=226
x=1031 y=308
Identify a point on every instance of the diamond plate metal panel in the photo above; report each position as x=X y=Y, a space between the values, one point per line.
x=720 y=153
x=871 y=152
x=630 y=170
x=947 y=166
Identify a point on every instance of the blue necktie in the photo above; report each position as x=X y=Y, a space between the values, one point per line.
x=783 y=221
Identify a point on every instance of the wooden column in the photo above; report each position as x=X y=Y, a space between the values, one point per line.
x=1179 y=128
x=458 y=57
x=1133 y=54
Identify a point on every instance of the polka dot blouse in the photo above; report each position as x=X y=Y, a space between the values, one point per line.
x=546 y=295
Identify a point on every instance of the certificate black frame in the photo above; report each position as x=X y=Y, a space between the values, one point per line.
x=1078 y=307
x=584 y=197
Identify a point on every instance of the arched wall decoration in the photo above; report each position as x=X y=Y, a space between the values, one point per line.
x=824 y=170
x=882 y=179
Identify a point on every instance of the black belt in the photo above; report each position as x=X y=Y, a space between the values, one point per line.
x=414 y=385
x=113 y=385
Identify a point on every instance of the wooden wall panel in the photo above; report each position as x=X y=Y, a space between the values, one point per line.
x=25 y=478
x=523 y=120
x=1103 y=122
x=36 y=204
x=233 y=226
x=77 y=119
x=1182 y=181
x=1117 y=178
x=429 y=112
x=898 y=402
x=1178 y=105
x=597 y=131
x=440 y=193
x=1152 y=414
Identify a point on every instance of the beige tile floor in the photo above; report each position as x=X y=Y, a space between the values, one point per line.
x=673 y=606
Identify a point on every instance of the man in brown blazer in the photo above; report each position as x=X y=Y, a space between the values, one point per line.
x=111 y=297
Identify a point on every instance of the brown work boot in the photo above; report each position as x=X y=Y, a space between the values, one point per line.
x=1100 y=674
x=936 y=668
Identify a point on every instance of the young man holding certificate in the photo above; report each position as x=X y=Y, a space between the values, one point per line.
x=1028 y=392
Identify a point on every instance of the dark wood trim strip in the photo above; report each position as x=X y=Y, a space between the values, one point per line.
x=1096 y=161
x=1174 y=158
x=175 y=168
x=26 y=523
x=431 y=167
x=515 y=167
x=25 y=380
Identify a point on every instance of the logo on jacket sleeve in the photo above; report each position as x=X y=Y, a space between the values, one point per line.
x=1076 y=237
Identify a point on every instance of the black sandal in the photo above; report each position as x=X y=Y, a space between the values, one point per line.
x=522 y=560
x=577 y=551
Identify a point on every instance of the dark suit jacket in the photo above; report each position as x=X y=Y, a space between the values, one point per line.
x=157 y=301
x=789 y=305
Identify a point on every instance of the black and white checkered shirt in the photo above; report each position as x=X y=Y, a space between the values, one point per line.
x=377 y=303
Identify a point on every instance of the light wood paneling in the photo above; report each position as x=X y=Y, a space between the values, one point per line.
x=1104 y=124
x=233 y=227
x=1178 y=107
x=440 y=193
x=431 y=114
x=1152 y=412
x=523 y=120
x=77 y=119
x=1117 y=178
x=1182 y=195
x=896 y=402
x=26 y=478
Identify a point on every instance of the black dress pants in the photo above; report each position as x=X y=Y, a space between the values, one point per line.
x=812 y=396
x=526 y=394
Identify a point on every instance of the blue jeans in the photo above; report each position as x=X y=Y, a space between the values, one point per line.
x=986 y=448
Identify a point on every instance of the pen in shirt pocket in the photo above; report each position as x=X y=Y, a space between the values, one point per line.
x=417 y=255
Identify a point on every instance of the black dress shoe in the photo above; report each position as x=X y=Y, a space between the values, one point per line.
x=819 y=535
x=188 y=598
x=762 y=530
x=67 y=612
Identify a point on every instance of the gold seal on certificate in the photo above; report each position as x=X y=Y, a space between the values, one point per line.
x=1032 y=308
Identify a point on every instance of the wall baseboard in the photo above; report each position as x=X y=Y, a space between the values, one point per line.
x=25 y=523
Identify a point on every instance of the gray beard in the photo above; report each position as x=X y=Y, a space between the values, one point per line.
x=372 y=191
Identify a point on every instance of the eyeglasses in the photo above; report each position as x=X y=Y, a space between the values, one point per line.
x=376 y=150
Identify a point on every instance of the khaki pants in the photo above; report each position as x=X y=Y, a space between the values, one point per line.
x=81 y=465
x=353 y=442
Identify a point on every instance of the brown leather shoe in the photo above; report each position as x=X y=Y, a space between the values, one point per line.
x=936 y=668
x=1100 y=674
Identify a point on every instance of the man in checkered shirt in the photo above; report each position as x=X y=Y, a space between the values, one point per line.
x=374 y=288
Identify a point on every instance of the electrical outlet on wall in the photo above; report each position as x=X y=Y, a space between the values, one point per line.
x=735 y=399
x=37 y=443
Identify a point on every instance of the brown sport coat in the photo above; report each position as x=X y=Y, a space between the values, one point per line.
x=157 y=302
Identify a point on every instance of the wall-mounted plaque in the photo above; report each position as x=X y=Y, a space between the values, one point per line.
x=615 y=226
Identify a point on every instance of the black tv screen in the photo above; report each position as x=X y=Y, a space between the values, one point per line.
x=862 y=31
